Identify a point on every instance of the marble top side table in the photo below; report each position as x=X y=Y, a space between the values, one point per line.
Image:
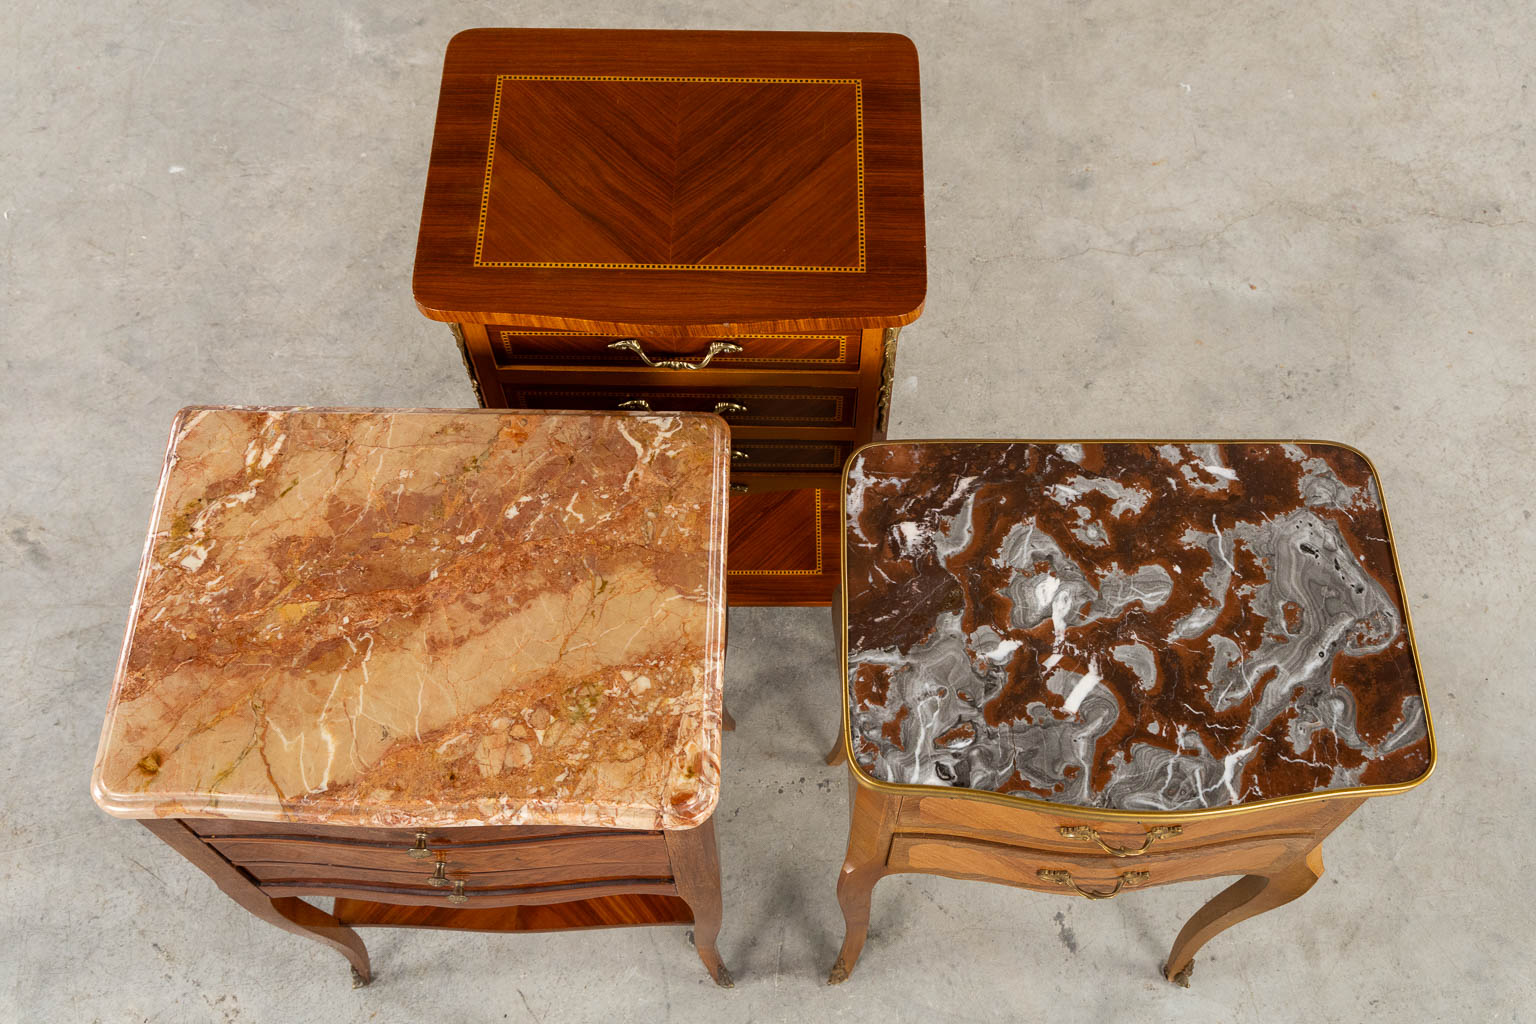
x=449 y=669
x=1107 y=665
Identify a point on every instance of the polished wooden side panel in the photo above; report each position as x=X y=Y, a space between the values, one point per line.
x=614 y=911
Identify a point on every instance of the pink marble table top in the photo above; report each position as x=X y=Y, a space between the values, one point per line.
x=411 y=618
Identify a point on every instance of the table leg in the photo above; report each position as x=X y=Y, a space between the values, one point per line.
x=837 y=755
x=1248 y=897
x=288 y=913
x=871 y=823
x=696 y=869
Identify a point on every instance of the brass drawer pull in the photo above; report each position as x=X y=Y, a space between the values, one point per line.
x=740 y=488
x=722 y=408
x=1090 y=835
x=420 y=851
x=636 y=403
x=458 y=895
x=737 y=453
x=716 y=348
x=439 y=877
x=1065 y=878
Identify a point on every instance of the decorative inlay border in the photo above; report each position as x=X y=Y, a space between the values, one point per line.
x=490 y=160
x=816 y=533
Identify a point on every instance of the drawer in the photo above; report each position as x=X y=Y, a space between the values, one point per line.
x=754 y=456
x=1071 y=833
x=401 y=838
x=516 y=346
x=787 y=407
x=520 y=862
x=1047 y=871
x=479 y=897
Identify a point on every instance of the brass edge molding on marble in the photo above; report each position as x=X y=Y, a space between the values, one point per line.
x=1111 y=813
x=490 y=161
x=816 y=535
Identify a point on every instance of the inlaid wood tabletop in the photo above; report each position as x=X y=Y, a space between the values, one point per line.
x=714 y=181
x=1148 y=627
x=414 y=618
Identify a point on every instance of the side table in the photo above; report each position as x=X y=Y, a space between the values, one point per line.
x=1102 y=666
x=449 y=669
x=719 y=221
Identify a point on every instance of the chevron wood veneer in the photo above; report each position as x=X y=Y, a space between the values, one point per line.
x=631 y=173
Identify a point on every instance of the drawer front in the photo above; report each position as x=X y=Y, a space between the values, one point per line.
x=481 y=897
x=754 y=456
x=563 y=858
x=1119 y=839
x=1087 y=875
x=399 y=838
x=789 y=407
x=515 y=346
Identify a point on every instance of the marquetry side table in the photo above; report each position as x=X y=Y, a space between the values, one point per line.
x=717 y=221
x=448 y=669
x=1103 y=666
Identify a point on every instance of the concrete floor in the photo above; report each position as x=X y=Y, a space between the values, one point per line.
x=1165 y=219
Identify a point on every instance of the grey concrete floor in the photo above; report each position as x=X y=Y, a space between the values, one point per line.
x=1145 y=219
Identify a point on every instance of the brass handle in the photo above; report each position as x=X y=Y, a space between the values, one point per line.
x=1090 y=835
x=636 y=403
x=439 y=877
x=420 y=851
x=740 y=488
x=716 y=348
x=722 y=408
x=1065 y=878
x=458 y=895
x=738 y=454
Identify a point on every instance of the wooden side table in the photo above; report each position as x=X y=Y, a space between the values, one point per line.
x=717 y=221
x=449 y=669
x=1105 y=666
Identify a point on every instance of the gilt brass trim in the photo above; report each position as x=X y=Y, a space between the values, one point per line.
x=887 y=377
x=469 y=366
x=1125 y=881
x=1110 y=813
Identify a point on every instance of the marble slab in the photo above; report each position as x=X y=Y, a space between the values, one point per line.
x=414 y=618
x=1140 y=627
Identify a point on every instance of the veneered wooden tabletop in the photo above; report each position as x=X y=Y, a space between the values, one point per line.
x=613 y=180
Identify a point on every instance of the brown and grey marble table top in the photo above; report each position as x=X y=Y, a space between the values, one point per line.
x=413 y=618
x=1130 y=626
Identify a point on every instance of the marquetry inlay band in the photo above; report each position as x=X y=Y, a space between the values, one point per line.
x=816 y=540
